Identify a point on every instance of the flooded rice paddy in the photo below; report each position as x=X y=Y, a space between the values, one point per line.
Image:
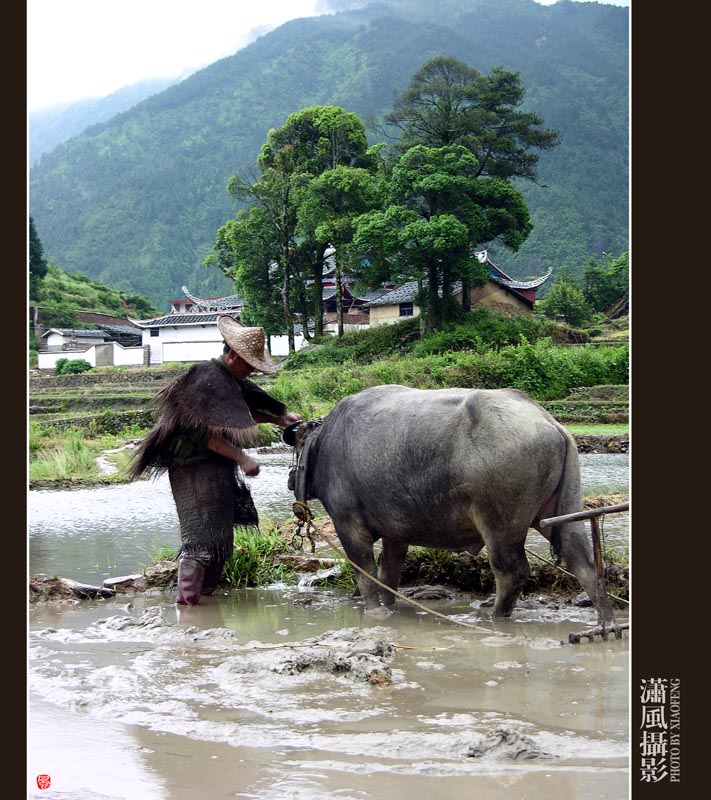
x=92 y=534
x=254 y=694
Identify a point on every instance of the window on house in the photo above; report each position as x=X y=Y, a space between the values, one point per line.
x=406 y=309
x=154 y=332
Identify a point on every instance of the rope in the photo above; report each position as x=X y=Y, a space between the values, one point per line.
x=565 y=571
x=303 y=513
x=409 y=600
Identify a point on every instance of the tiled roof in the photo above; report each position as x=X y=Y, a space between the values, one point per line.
x=499 y=276
x=330 y=291
x=403 y=294
x=407 y=292
x=231 y=302
x=512 y=283
x=180 y=320
x=126 y=329
x=374 y=294
x=77 y=333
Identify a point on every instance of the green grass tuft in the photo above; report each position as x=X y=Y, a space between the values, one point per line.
x=252 y=561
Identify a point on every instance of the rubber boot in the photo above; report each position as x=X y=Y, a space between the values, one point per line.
x=213 y=573
x=191 y=574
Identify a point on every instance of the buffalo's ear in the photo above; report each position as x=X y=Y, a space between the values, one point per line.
x=288 y=435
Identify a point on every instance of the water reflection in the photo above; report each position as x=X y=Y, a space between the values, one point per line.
x=92 y=534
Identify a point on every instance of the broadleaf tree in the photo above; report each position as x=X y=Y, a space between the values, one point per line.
x=331 y=203
x=439 y=210
x=311 y=141
x=269 y=239
x=566 y=301
x=451 y=107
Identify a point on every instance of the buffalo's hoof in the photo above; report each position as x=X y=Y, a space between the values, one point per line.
x=379 y=612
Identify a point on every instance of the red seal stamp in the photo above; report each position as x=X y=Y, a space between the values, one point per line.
x=44 y=781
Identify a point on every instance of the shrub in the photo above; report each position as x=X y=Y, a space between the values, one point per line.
x=358 y=347
x=66 y=366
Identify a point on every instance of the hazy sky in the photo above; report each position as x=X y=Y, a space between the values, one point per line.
x=90 y=48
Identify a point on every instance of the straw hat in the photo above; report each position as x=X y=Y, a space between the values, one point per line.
x=247 y=343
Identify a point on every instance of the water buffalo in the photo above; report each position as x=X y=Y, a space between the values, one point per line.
x=456 y=469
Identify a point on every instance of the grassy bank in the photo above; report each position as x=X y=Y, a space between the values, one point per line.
x=268 y=557
x=70 y=456
x=543 y=370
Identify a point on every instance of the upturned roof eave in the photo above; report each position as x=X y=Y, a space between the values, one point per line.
x=180 y=320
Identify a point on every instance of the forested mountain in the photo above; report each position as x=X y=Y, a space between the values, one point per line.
x=52 y=126
x=136 y=201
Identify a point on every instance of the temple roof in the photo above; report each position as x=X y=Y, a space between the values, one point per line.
x=407 y=292
x=499 y=276
x=231 y=302
x=181 y=320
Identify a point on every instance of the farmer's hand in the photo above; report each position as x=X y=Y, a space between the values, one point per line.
x=250 y=466
x=289 y=419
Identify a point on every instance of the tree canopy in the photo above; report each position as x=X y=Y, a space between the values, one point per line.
x=606 y=281
x=449 y=102
x=566 y=301
x=38 y=263
x=438 y=212
x=309 y=184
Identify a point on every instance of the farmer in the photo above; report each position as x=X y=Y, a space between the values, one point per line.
x=204 y=420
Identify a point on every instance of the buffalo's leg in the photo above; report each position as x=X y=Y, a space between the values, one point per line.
x=511 y=569
x=576 y=552
x=571 y=542
x=357 y=543
x=392 y=559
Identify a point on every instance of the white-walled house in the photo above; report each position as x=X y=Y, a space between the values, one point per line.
x=68 y=339
x=98 y=347
x=190 y=333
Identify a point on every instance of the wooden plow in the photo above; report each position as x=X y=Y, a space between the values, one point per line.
x=593 y=515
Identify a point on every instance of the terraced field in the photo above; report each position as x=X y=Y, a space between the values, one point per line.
x=110 y=400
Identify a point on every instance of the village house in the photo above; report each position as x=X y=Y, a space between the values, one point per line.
x=189 y=333
x=113 y=341
x=354 y=304
x=499 y=289
x=64 y=339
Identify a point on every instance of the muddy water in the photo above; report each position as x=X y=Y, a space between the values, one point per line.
x=144 y=700
x=140 y=699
